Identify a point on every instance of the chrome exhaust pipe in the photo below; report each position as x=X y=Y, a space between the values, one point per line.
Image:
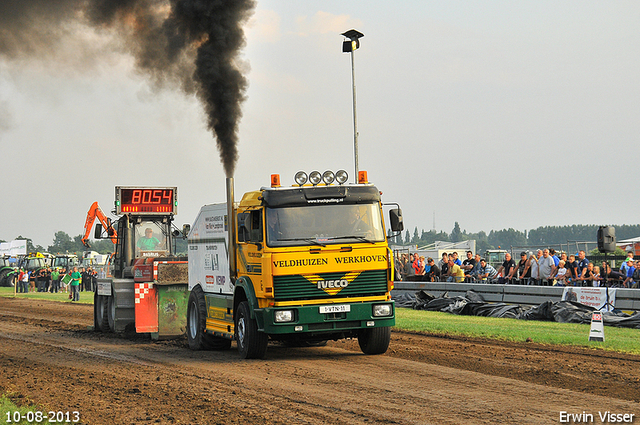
x=231 y=227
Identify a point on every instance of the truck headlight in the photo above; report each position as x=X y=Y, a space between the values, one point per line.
x=381 y=310
x=284 y=316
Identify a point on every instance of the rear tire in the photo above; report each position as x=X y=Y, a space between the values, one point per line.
x=374 y=340
x=197 y=323
x=101 y=311
x=252 y=344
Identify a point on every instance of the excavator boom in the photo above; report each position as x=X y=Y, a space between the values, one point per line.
x=96 y=212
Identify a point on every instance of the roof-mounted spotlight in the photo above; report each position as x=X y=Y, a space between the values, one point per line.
x=342 y=176
x=315 y=178
x=301 y=178
x=328 y=177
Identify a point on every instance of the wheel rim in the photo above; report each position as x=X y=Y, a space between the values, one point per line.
x=241 y=330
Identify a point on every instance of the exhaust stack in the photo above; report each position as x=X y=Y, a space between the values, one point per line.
x=231 y=226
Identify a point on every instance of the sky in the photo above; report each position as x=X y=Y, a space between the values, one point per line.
x=494 y=115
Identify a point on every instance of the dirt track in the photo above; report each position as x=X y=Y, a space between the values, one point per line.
x=48 y=356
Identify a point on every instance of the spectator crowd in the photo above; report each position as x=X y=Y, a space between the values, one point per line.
x=543 y=268
x=56 y=280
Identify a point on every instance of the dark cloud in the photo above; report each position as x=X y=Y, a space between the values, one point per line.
x=191 y=44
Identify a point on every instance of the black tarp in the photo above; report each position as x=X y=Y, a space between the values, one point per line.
x=472 y=304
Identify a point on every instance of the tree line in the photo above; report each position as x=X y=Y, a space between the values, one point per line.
x=65 y=244
x=542 y=236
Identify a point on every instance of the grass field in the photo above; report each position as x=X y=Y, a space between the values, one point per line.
x=7 y=407
x=616 y=339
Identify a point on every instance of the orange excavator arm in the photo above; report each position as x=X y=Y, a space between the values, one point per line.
x=96 y=212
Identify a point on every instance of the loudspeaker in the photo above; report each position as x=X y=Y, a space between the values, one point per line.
x=607 y=239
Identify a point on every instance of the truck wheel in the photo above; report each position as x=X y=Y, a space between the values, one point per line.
x=252 y=344
x=197 y=321
x=374 y=340
x=101 y=311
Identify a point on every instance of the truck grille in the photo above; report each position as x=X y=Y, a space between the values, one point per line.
x=297 y=287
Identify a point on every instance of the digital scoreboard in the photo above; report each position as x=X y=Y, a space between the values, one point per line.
x=146 y=200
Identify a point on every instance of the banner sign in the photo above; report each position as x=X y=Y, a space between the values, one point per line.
x=600 y=298
x=13 y=248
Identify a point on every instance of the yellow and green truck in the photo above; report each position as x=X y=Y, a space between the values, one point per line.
x=301 y=264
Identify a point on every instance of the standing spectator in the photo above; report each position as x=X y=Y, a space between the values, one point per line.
x=26 y=281
x=418 y=265
x=636 y=276
x=444 y=260
x=82 y=275
x=628 y=282
x=572 y=269
x=455 y=273
x=403 y=271
x=524 y=272
x=408 y=268
x=399 y=269
x=589 y=276
x=47 y=280
x=623 y=266
x=556 y=260
x=433 y=274
x=63 y=285
x=39 y=279
x=508 y=269
x=55 y=281
x=560 y=274
x=597 y=279
x=444 y=265
x=486 y=272
x=456 y=260
x=545 y=265
x=468 y=264
x=75 y=284
x=532 y=268
x=582 y=267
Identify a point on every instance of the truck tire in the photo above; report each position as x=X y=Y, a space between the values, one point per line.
x=197 y=322
x=374 y=340
x=252 y=344
x=111 y=312
x=101 y=311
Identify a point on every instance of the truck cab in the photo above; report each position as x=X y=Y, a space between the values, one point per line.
x=306 y=263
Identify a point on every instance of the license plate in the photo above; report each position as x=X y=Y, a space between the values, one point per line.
x=341 y=308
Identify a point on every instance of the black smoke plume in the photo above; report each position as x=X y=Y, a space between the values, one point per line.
x=194 y=44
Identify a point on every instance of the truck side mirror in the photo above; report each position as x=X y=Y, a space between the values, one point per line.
x=97 y=234
x=186 y=228
x=395 y=217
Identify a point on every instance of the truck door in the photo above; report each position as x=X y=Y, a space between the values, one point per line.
x=250 y=247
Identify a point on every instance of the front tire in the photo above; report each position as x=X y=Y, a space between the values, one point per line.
x=252 y=344
x=374 y=340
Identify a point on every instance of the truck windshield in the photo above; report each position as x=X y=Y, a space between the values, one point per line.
x=324 y=224
x=151 y=240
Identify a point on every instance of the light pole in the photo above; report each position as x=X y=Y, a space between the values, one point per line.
x=350 y=46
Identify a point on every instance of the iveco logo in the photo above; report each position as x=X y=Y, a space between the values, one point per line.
x=332 y=287
x=338 y=283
